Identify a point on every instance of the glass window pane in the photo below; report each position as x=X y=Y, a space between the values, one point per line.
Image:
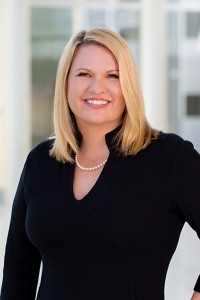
x=183 y=73
x=193 y=105
x=193 y=25
x=94 y=18
x=173 y=70
x=130 y=0
x=128 y=24
x=125 y=22
x=100 y=1
x=183 y=1
x=50 y=29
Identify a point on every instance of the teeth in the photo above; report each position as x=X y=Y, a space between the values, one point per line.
x=97 y=102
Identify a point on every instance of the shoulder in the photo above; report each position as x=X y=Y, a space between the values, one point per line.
x=174 y=146
x=169 y=139
x=41 y=152
x=165 y=143
x=168 y=147
x=168 y=142
x=43 y=146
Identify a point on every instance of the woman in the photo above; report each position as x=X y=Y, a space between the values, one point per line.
x=103 y=204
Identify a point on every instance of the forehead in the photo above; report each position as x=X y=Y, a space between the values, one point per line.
x=94 y=55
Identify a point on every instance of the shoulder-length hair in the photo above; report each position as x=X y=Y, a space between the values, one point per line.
x=135 y=133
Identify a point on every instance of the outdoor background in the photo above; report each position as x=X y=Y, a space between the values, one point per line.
x=164 y=37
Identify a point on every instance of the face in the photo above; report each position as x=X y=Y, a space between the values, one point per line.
x=94 y=91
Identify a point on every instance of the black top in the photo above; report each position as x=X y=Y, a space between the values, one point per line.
x=116 y=243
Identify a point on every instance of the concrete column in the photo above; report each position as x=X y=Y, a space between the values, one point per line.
x=2 y=109
x=16 y=90
x=153 y=62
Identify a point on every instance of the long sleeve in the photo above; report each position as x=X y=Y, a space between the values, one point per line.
x=185 y=187
x=118 y=241
x=22 y=260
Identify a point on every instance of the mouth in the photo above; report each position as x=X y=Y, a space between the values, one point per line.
x=97 y=102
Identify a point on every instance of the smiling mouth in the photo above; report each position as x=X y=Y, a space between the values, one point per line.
x=97 y=102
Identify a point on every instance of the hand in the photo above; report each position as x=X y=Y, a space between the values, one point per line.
x=195 y=296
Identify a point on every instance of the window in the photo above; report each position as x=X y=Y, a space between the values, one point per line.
x=193 y=25
x=193 y=105
x=50 y=30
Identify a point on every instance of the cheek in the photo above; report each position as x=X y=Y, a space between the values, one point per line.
x=69 y=98
x=120 y=98
x=71 y=102
x=76 y=89
x=122 y=105
x=116 y=91
x=72 y=94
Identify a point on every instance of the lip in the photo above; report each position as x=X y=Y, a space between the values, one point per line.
x=97 y=105
x=97 y=99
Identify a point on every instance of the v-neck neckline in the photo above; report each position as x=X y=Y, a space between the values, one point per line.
x=94 y=187
x=111 y=143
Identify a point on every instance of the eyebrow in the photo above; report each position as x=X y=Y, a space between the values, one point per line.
x=88 y=70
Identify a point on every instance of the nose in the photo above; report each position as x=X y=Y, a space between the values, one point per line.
x=97 y=85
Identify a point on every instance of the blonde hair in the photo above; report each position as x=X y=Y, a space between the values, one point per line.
x=135 y=133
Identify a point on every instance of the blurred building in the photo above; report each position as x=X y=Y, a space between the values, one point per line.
x=164 y=36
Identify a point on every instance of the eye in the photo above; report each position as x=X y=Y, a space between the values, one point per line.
x=113 y=76
x=83 y=74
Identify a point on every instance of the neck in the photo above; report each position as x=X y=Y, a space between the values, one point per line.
x=93 y=146
x=93 y=141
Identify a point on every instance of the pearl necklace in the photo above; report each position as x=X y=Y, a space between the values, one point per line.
x=90 y=168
